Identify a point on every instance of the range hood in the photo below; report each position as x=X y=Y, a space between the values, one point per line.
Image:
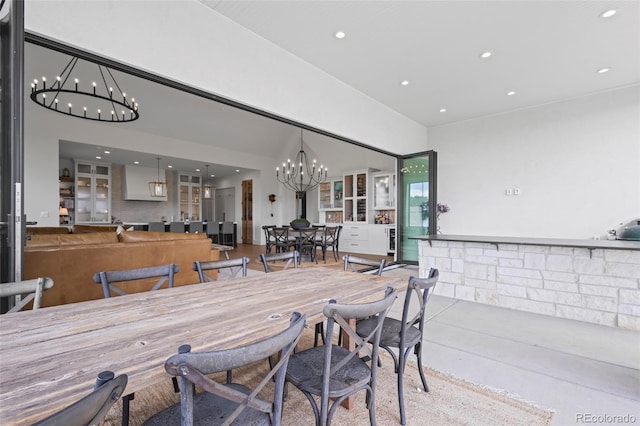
x=135 y=183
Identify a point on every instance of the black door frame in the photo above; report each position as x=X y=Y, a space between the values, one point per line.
x=12 y=218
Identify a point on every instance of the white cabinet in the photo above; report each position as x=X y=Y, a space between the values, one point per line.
x=190 y=191
x=356 y=196
x=384 y=191
x=368 y=239
x=93 y=192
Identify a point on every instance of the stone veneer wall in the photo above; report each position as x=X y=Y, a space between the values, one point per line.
x=565 y=282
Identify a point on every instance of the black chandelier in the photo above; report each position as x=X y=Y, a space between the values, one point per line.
x=99 y=103
x=300 y=175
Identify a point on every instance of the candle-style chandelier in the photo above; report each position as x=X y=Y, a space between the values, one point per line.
x=300 y=175
x=92 y=101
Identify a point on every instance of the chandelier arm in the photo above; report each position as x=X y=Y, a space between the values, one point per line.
x=61 y=84
x=106 y=86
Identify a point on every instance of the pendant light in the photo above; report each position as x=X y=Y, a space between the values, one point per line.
x=158 y=188
x=207 y=187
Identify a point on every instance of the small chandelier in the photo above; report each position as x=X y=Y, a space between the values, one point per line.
x=207 y=187
x=97 y=103
x=158 y=188
x=302 y=177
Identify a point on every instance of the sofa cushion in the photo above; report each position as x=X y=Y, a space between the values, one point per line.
x=43 y=240
x=142 y=236
x=83 y=229
x=37 y=230
x=88 y=238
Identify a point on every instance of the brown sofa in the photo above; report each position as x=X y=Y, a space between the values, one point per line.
x=72 y=259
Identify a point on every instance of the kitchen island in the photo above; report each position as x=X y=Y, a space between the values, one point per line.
x=595 y=281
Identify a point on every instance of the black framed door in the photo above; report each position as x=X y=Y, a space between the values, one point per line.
x=417 y=175
x=12 y=226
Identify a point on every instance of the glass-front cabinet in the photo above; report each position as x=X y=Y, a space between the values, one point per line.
x=384 y=189
x=331 y=195
x=92 y=192
x=190 y=197
x=356 y=201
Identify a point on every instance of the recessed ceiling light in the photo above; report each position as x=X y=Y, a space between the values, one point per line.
x=213 y=175
x=197 y=170
x=404 y=82
x=485 y=55
x=237 y=171
x=608 y=14
x=107 y=152
x=511 y=93
x=170 y=166
x=136 y=162
x=98 y=157
x=340 y=34
x=603 y=70
x=443 y=110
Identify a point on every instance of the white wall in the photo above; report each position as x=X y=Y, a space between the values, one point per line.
x=190 y=43
x=576 y=162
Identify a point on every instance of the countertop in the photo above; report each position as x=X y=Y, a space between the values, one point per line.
x=556 y=242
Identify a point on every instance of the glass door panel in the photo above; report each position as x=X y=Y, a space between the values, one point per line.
x=102 y=198
x=324 y=200
x=83 y=197
x=337 y=194
x=417 y=180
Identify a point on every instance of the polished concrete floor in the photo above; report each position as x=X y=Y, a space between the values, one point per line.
x=586 y=373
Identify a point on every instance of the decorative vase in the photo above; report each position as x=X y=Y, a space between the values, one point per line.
x=299 y=224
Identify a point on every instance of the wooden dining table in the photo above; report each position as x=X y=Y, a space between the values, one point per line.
x=49 y=358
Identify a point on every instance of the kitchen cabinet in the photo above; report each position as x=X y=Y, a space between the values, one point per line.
x=357 y=201
x=331 y=195
x=190 y=196
x=384 y=191
x=92 y=192
x=368 y=239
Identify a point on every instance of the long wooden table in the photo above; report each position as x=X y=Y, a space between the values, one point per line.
x=49 y=358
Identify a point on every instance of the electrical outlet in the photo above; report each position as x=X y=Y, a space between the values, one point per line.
x=44 y=214
x=508 y=191
x=516 y=191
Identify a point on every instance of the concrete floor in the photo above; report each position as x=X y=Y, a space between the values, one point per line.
x=572 y=367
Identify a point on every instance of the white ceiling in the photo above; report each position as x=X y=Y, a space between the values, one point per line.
x=544 y=51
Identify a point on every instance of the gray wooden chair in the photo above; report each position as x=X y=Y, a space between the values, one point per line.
x=331 y=371
x=176 y=227
x=156 y=227
x=227 y=236
x=405 y=334
x=330 y=238
x=364 y=265
x=109 y=278
x=306 y=243
x=233 y=265
x=91 y=409
x=196 y=228
x=28 y=290
x=230 y=403
x=270 y=238
x=291 y=258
